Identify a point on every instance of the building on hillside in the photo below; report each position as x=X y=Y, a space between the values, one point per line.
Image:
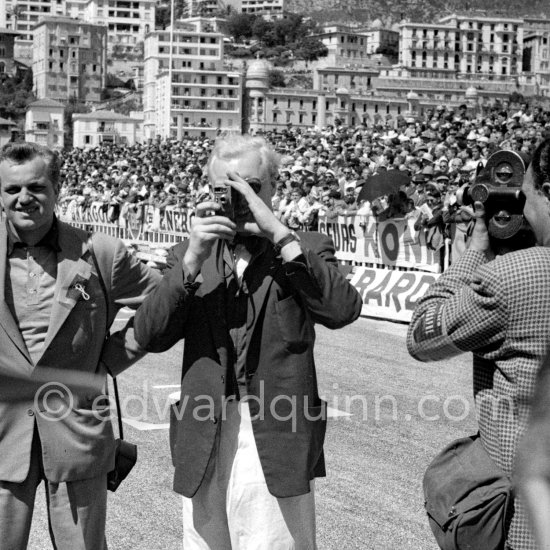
x=441 y=87
x=8 y=64
x=468 y=47
x=536 y=24
x=105 y=127
x=344 y=44
x=8 y=131
x=187 y=90
x=69 y=60
x=357 y=79
x=44 y=123
x=379 y=38
x=276 y=109
x=22 y=16
x=127 y=21
x=266 y=8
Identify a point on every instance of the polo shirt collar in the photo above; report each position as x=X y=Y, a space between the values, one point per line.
x=50 y=239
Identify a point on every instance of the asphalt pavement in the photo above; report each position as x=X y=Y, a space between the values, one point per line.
x=389 y=415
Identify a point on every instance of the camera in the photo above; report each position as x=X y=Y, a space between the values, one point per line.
x=498 y=186
x=231 y=200
x=225 y=196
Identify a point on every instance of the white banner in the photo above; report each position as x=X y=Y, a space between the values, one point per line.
x=390 y=294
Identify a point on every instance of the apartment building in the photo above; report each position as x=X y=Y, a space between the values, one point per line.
x=69 y=60
x=127 y=21
x=466 y=47
x=344 y=44
x=22 y=16
x=379 y=37
x=187 y=90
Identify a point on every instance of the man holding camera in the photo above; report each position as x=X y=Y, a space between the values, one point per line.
x=54 y=418
x=497 y=308
x=245 y=293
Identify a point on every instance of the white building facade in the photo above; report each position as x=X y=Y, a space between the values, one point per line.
x=187 y=90
x=105 y=127
x=44 y=123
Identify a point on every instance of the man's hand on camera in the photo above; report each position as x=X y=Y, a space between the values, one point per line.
x=206 y=228
x=480 y=235
x=266 y=223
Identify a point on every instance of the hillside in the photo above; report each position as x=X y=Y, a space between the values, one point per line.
x=421 y=11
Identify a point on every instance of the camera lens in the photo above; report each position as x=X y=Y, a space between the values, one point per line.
x=479 y=193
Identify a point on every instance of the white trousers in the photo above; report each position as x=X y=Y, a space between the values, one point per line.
x=233 y=509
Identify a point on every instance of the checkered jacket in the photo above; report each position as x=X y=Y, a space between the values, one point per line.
x=499 y=310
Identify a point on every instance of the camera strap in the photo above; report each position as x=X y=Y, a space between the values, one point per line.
x=106 y=297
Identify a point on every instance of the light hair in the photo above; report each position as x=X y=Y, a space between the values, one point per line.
x=232 y=145
x=22 y=152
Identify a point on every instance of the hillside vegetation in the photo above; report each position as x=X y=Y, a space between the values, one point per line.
x=421 y=11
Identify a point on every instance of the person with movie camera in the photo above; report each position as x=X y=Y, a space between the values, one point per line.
x=494 y=301
x=54 y=415
x=244 y=292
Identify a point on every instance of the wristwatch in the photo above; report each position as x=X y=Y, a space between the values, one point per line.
x=292 y=236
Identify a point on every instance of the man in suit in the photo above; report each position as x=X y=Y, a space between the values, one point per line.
x=245 y=293
x=497 y=308
x=54 y=417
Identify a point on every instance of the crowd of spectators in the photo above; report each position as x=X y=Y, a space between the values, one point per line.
x=323 y=170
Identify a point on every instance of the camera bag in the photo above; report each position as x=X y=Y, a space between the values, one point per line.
x=125 y=452
x=467 y=497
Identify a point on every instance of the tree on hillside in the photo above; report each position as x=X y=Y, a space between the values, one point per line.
x=15 y=95
x=276 y=79
x=239 y=26
x=310 y=49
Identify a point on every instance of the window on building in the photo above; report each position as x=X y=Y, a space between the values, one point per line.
x=301 y=118
x=288 y=104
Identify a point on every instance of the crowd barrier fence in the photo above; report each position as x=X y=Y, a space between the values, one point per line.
x=390 y=262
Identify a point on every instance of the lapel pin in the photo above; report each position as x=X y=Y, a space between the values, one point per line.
x=82 y=290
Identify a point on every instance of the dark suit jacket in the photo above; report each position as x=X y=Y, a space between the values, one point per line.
x=285 y=301
x=77 y=442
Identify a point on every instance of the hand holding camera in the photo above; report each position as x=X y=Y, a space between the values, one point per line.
x=251 y=214
x=208 y=225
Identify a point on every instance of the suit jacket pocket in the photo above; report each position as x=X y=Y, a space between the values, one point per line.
x=296 y=329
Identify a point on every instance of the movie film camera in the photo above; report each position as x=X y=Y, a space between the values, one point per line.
x=498 y=186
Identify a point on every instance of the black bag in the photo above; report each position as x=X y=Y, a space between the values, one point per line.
x=467 y=497
x=125 y=460
x=125 y=452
